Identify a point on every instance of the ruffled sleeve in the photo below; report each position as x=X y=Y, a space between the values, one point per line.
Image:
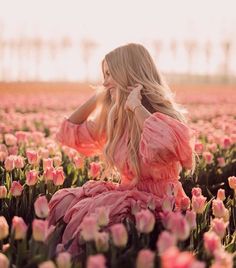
x=81 y=137
x=165 y=139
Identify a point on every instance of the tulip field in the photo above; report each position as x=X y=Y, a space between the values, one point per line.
x=33 y=166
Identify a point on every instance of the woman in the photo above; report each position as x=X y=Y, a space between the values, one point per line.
x=141 y=134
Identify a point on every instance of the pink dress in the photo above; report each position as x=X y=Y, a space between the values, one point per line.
x=165 y=145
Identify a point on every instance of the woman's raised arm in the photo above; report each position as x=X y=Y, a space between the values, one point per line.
x=83 y=111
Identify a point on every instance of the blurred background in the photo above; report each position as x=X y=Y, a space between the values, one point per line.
x=65 y=40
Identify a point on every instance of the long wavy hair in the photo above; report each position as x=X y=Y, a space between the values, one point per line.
x=128 y=65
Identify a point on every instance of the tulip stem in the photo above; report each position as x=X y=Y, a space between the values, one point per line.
x=233 y=210
x=17 y=205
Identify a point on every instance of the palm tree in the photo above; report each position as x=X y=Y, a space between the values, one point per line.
x=173 y=49
x=226 y=46
x=208 y=52
x=37 y=44
x=157 y=44
x=87 y=46
x=190 y=46
x=65 y=45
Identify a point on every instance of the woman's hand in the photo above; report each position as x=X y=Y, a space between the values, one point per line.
x=101 y=95
x=134 y=98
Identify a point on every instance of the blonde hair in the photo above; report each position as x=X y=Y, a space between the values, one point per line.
x=128 y=65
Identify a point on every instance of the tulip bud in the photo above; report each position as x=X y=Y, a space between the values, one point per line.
x=96 y=261
x=3 y=192
x=39 y=229
x=4 y=228
x=47 y=163
x=19 y=228
x=63 y=260
x=221 y=194
x=211 y=242
x=145 y=221
x=41 y=207
x=165 y=241
x=16 y=189
x=232 y=182
x=4 y=262
x=119 y=235
x=145 y=259
x=47 y=264
x=31 y=177
x=89 y=228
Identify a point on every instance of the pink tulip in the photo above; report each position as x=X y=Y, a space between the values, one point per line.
x=16 y=188
x=37 y=137
x=13 y=150
x=39 y=229
x=165 y=241
x=89 y=228
x=32 y=157
x=212 y=147
x=168 y=203
x=172 y=258
x=47 y=264
x=31 y=177
x=5 y=247
x=226 y=142
x=49 y=173
x=218 y=208
x=145 y=221
x=52 y=148
x=191 y=219
x=41 y=207
x=187 y=260
x=78 y=161
x=72 y=153
x=223 y=259
x=178 y=225
x=63 y=260
x=196 y=191
x=95 y=169
x=145 y=259
x=219 y=226
x=58 y=176
x=10 y=139
x=10 y=162
x=221 y=161
x=232 y=182
x=4 y=228
x=102 y=241
x=119 y=235
x=102 y=215
x=3 y=192
x=3 y=148
x=19 y=228
x=19 y=162
x=208 y=157
x=221 y=194
x=211 y=242
x=43 y=152
x=47 y=163
x=3 y=156
x=198 y=147
x=4 y=262
x=169 y=257
x=22 y=136
x=57 y=161
x=198 y=204
x=185 y=203
x=96 y=261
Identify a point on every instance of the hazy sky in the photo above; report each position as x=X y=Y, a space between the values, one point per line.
x=114 y=22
